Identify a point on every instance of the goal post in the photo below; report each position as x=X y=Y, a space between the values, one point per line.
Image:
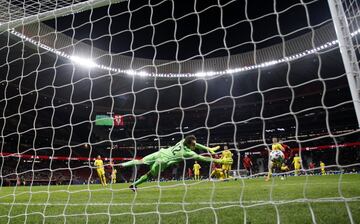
x=348 y=55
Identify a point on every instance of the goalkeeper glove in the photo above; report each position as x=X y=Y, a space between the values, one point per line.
x=213 y=149
x=218 y=161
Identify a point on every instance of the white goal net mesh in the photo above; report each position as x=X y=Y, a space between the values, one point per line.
x=121 y=80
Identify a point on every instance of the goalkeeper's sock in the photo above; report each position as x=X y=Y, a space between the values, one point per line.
x=133 y=188
x=141 y=180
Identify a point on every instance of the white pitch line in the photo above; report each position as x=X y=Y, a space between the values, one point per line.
x=300 y=200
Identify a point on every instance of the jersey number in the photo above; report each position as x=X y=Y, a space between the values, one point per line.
x=176 y=149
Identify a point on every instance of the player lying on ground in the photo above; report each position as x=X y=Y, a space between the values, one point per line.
x=276 y=157
x=164 y=158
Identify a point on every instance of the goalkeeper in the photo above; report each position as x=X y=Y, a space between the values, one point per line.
x=164 y=158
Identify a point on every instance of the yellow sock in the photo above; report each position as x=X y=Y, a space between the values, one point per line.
x=103 y=180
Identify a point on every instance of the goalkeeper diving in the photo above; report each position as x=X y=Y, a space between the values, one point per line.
x=166 y=157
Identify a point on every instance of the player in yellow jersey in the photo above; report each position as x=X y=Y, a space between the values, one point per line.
x=284 y=168
x=100 y=170
x=276 y=145
x=322 y=167
x=216 y=172
x=196 y=169
x=113 y=175
x=227 y=155
x=276 y=157
x=113 y=172
x=297 y=164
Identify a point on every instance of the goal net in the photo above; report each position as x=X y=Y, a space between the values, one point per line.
x=88 y=87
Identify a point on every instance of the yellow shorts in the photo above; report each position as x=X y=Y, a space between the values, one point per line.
x=101 y=172
x=226 y=167
x=216 y=170
x=297 y=166
x=196 y=173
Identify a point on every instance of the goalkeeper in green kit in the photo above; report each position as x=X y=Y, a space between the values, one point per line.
x=164 y=158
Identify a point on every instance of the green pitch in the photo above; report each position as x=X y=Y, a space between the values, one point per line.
x=327 y=199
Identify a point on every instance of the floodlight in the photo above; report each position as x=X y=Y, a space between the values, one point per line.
x=83 y=61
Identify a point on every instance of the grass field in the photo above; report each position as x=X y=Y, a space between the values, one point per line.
x=323 y=199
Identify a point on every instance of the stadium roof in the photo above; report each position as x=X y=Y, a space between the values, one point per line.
x=287 y=44
x=40 y=34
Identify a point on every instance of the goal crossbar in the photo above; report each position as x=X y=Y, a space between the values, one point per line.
x=71 y=9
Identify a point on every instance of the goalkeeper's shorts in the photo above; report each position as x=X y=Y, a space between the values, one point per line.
x=151 y=159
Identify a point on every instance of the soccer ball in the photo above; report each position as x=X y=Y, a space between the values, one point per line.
x=276 y=155
x=282 y=178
